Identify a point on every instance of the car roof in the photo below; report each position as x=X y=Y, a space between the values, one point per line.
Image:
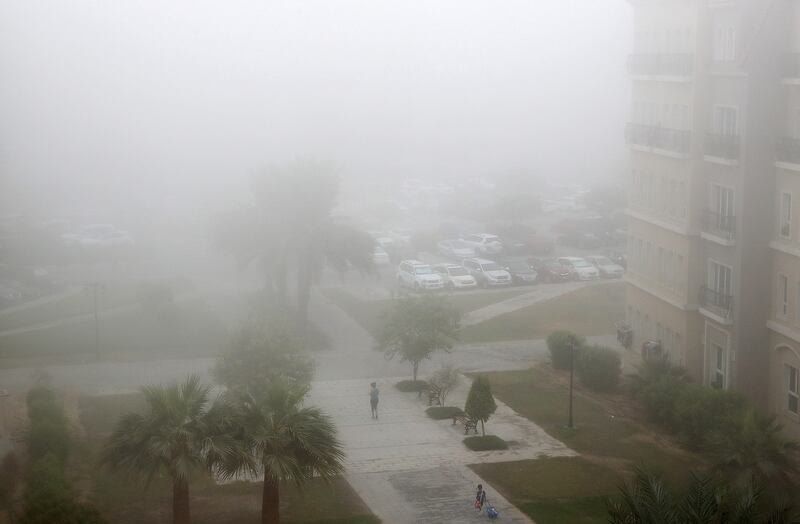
x=414 y=262
x=481 y=260
x=571 y=258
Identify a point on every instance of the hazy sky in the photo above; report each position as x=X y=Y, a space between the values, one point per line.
x=141 y=102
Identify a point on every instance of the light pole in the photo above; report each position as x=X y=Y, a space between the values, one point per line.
x=94 y=287
x=570 y=425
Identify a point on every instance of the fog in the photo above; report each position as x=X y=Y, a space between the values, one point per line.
x=147 y=106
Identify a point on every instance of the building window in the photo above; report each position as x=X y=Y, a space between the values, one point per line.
x=720 y=278
x=785 y=224
x=792 y=389
x=724 y=43
x=718 y=377
x=783 y=296
x=725 y=121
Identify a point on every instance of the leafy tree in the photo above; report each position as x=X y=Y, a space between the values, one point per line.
x=647 y=500
x=282 y=440
x=480 y=402
x=262 y=351
x=175 y=437
x=757 y=451
x=49 y=429
x=415 y=327
x=50 y=499
x=446 y=378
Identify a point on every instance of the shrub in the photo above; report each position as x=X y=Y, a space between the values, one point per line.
x=446 y=378
x=480 y=402
x=411 y=386
x=659 y=399
x=600 y=368
x=485 y=443
x=49 y=437
x=701 y=411
x=443 y=412
x=558 y=342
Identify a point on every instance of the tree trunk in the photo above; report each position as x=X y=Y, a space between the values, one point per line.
x=270 y=501
x=416 y=368
x=483 y=429
x=180 y=502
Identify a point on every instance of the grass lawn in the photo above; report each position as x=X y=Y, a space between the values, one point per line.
x=610 y=446
x=587 y=311
x=368 y=313
x=124 y=500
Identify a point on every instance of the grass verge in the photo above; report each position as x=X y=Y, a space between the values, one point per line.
x=443 y=412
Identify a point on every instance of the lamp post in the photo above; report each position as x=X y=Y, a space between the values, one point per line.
x=570 y=424
x=94 y=287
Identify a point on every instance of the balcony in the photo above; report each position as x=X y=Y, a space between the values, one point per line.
x=791 y=68
x=788 y=151
x=667 y=65
x=719 y=228
x=717 y=305
x=725 y=147
x=658 y=139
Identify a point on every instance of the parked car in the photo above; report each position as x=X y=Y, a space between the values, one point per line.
x=455 y=249
x=618 y=258
x=581 y=269
x=487 y=273
x=401 y=236
x=528 y=245
x=484 y=243
x=379 y=256
x=455 y=276
x=97 y=235
x=550 y=270
x=606 y=267
x=418 y=276
x=521 y=272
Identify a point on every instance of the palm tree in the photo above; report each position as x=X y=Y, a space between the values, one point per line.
x=758 y=452
x=281 y=440
x=646 y=500
x=175 y=436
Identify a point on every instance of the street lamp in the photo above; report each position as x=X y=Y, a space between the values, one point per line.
x=94 y=287
x=570 y=424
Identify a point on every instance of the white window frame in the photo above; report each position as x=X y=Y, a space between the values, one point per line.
x=786 y=233
x=712 y=285
x=720 y=121
x=719 y=368
x=782 y=285
x=792 y=390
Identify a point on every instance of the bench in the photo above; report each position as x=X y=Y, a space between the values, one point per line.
x=470 y=423
x=434 y=395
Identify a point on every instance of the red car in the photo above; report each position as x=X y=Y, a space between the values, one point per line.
x=550 y=270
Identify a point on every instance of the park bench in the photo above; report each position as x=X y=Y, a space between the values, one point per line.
x=469 y=423
x=434 y=395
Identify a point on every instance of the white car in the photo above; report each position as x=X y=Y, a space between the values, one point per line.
x=379 y=256
x=97 y=235
x=487 y=273
x=401 y=236
x=580 y=268
x=606 y=267
x=418 y=276
x=455 y=276
x=455 y=249
x=484 y=243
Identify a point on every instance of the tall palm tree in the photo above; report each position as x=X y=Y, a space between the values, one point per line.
x=282 y=440
x=173 y=437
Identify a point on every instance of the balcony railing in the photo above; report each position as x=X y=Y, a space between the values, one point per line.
x=722 y=146
x=791 y=67
x=653 y=64
x=723 y=226
x=674 y=140
x=788 y=150
x=718 y=303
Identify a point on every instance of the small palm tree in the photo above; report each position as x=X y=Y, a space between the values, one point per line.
x=281 y=440
x=173 y=437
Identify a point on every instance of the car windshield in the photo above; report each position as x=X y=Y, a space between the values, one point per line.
x=457 y=271
x=603 y=261
x=422 y=270
x=491 y=266
x=581 y=263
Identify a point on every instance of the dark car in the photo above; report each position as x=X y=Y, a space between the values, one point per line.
x=550 y=270
x=521 y=272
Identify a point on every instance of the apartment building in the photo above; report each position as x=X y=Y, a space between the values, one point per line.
x=709 y=90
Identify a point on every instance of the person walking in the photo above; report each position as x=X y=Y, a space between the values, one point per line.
x=480 y=498
x=374 y=396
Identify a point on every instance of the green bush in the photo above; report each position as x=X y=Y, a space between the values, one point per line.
x=700 y=412
x=49 y=437
x=485 y=443
x=600 y=368
x=558 y=342
x=443 y=412
x=411 y=386
x=659 y=398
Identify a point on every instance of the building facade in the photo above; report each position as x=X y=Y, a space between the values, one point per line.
x=710 y=101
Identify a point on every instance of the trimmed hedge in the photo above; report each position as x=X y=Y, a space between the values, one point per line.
x=485 y=443
x=410 y=386
x=600 y=368
x=443 y=412
x=558 y=342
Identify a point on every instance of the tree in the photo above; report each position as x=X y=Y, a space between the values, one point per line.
x=282 y=440
x=48 y=432
x=646 y=500
x=175 y=437
x=480 y=402
x=446 y=378
x=415 y=327
x=262 y=351
x=757 y=452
